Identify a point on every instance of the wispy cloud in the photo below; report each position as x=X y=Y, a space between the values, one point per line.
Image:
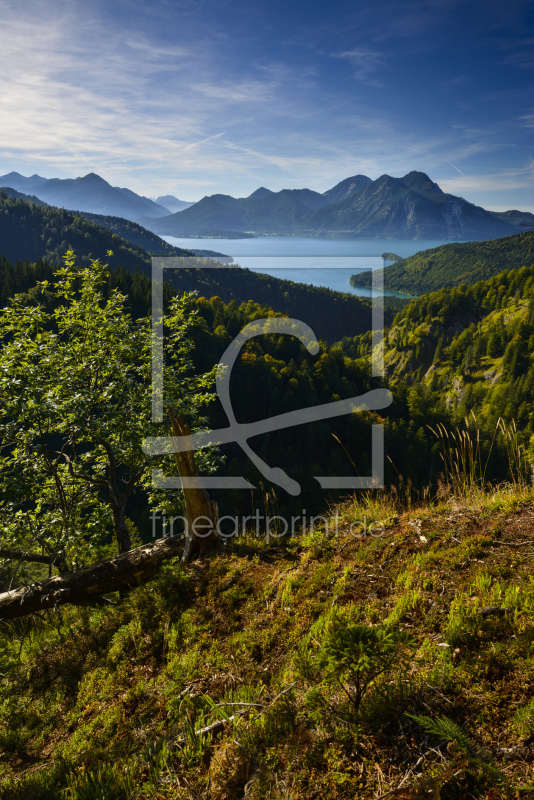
x=238 y=92
x=501 y=180
x=189 y=97
x=456 y=168
x=365 y=63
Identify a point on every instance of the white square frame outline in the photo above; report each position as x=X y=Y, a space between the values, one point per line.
x=159 y=480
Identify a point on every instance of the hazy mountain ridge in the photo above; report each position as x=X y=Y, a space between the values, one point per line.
x=29 y=231
x=522 y=219
x=412 y=207
x=261 y=212
x=172 y=203
x=130 y=231
x=15 y=195
x=89 y=193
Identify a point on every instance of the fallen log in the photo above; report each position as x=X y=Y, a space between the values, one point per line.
x=87 y=585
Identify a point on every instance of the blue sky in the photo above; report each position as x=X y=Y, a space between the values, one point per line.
x=203 y=96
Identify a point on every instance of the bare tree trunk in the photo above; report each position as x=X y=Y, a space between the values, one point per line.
x=198 y=506
x=86 y=586
x=122 y=534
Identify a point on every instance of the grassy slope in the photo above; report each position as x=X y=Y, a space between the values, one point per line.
x=453 y=264
x=106 y=702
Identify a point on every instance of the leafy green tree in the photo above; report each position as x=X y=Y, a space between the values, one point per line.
x=75 y=389
x=438 y=353
x=495 y=347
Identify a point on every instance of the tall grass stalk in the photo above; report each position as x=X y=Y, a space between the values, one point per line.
x=461 y=453
x=518 y=464
x=461 y=456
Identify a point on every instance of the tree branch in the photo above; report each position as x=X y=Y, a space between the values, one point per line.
x=20 y=555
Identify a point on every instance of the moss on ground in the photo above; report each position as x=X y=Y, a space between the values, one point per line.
x=108 y=703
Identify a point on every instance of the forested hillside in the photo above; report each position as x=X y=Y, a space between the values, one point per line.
x=29 y=231
x=467 y=349
x=275 y=374
x=137 y=235
x=453 y=264
x=132 y=232
x=15 y=195
x=384 y=650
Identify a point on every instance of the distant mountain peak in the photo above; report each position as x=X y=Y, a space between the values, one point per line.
x=166 y=198
x=22 y=182
x=347 y=188
x=420 y=182
x=261 y=192
x=90 y=193
x=92 y=177
x=172 y=203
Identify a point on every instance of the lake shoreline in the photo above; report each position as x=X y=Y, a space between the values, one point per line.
x=322 y=262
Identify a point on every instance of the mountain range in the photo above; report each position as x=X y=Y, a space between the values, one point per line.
x=411 y=207
x=262 y=212
x=90 y=193
x=172 y=203
x=29 y=231
x=130 y=232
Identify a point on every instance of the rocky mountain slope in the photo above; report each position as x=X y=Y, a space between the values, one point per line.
x=412 y=207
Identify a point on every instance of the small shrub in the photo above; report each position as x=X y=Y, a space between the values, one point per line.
x=357 y=655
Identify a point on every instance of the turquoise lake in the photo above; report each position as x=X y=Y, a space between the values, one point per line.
x=320 y=262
